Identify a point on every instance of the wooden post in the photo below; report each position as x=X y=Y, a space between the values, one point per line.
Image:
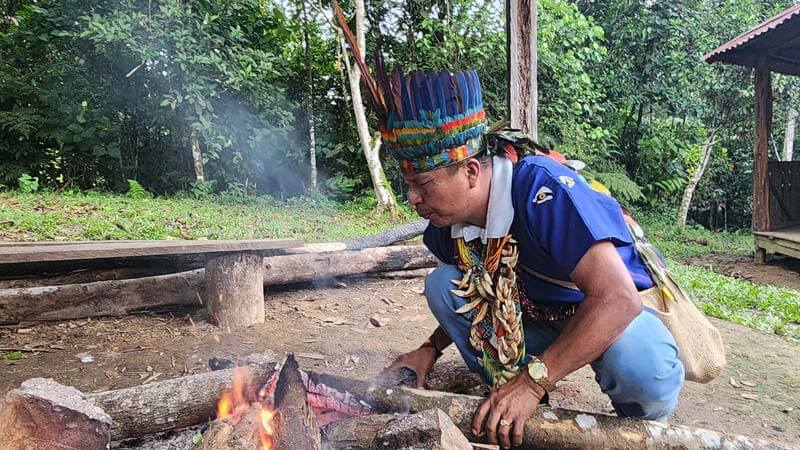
x=763 y=83
x=235 y=283
x=521 y=45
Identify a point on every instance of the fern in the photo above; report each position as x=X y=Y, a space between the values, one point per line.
x=620 y=186
x=136 y=190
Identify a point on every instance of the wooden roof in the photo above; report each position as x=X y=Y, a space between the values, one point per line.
x=776 y=40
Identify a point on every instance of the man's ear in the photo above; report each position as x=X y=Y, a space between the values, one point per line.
x=473 y=170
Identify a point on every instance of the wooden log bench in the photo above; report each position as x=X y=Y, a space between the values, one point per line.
x=234 y=274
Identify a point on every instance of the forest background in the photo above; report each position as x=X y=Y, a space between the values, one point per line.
x=127 y=95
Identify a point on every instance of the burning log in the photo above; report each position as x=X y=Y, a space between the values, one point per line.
x=235 y=433
x=171 y=404
x=187 y=289
x=294 y=424
x=44 y=414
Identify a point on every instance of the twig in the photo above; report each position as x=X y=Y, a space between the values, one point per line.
x=25 y=349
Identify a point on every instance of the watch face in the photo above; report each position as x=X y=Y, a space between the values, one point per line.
x=537 y=371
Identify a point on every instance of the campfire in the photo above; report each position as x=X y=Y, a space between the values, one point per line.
x=286 y=412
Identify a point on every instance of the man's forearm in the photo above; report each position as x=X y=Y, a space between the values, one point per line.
x=594 y=327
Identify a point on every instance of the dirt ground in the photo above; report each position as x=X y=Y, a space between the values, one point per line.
x=329 y=329
x=778 y=271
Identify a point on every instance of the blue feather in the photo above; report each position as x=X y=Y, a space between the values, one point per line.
x=464 y=90
x=408 y=110
x=478 y=92
x=441 y=102
x=451 y=101
x=425 y=95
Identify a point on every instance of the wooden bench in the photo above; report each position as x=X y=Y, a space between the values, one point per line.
x=234 y=273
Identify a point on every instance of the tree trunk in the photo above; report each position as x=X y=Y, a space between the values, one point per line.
x=370 y=146
x=686 y=201
x=312 y=139
x=788 y=140
x=522 y=24
x=197 y=156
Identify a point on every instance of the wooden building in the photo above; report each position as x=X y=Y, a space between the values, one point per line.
x=771 y=46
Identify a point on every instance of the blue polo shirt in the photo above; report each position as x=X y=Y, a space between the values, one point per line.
x=557 y=218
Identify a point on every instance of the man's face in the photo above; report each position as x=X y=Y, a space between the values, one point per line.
x=440 y=195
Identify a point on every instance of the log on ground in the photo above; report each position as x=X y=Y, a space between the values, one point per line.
x=172 y=404
x=557 y=428
x=187 y=289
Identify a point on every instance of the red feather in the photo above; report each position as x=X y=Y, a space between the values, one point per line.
x=372 y=87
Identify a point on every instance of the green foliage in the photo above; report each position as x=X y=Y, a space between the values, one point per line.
x=135 y=190
x=622 y=187
x=766 y=308
x=102 y=216
x=202 y=189
x=13 y=356
x=28 y=184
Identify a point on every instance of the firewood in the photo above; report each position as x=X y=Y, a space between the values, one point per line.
x=294 y=422
x=44 y=414
x=172 y=404
x=428 y=430
x=188 y=289
x=233 y=433
x=355 y=433
x=557 y=428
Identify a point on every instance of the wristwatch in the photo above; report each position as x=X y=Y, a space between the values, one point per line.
x=538 y=373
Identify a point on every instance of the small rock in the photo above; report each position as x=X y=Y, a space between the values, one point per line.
x=24 y=330
x=788 y=409
x=85 y=358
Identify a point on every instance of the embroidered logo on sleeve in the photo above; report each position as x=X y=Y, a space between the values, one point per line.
x=567 y=181
x=543 y=194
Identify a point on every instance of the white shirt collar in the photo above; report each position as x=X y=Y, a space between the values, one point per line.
x=500 y=212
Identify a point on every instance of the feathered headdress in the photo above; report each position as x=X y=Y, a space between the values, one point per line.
x=428 y=120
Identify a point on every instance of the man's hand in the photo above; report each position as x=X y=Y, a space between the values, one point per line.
x=420 y=361
x=506 y=411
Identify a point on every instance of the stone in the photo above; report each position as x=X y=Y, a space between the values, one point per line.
x=42 y=413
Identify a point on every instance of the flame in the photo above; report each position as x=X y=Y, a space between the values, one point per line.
x=265 y=427
x=239 y=398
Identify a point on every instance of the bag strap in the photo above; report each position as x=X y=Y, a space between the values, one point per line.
x=565 y=284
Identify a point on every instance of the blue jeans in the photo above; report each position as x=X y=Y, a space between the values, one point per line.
x=640 y=371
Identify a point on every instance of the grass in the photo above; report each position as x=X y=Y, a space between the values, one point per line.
x=762 y=307
x=100 y=216
x=694 y=241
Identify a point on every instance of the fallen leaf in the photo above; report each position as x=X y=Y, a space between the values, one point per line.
x=748 y=383
x=24 y=330
x=749 y=396
x=378 y=321
x=735 y=383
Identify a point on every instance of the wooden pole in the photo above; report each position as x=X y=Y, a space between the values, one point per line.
x=521 y=44
x=763 y=82
x=235 y=290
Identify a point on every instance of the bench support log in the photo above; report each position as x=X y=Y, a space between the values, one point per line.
x=235 y=290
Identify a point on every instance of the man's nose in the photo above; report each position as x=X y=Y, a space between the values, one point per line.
x=413 y=196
